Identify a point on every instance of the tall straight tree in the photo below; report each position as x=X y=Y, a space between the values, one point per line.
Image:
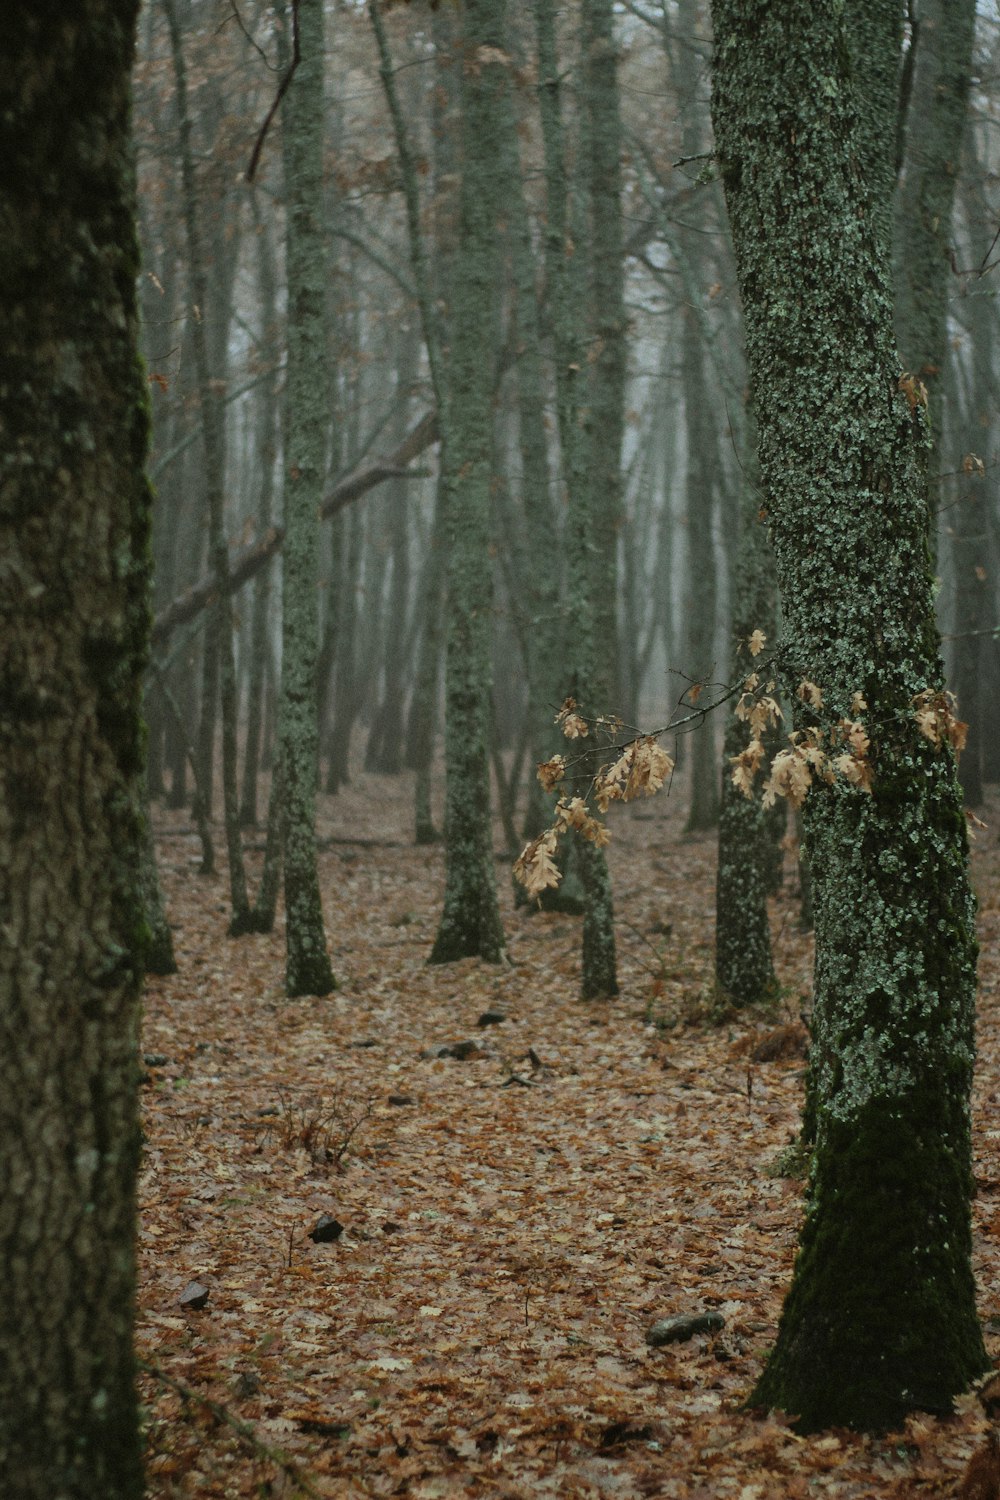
x=880 y=1319
x=307 y=970
x=935 y=128
x=470 y=921
x=593 y=470
x=604 y=410
x=219 y=668
x=74 y=621
x=744 y=967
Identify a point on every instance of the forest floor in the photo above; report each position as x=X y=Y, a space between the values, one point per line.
x=514 y=1220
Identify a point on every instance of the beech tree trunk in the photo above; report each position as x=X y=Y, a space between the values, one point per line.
x=74 y=621
x=880 y=1319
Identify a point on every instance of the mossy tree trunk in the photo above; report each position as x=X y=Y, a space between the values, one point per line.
x=74 y=622
x=880 y=1319
x=470 y=921
x=307 y=970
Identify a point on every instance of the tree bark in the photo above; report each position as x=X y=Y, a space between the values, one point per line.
x=220 y=671
x=935 y=127
x=307 y=970
x=880 y=1319
x=470 y=919
x=74 y=618
x=744 y=968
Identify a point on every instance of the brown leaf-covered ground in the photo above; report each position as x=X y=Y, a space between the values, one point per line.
x=512 y=1223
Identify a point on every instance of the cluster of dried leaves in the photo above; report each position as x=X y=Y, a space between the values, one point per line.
x=639 y=769
x=516 y=1213
x=818 y=753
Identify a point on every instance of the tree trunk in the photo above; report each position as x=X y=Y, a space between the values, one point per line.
x=470 y=920
x=74 y=539
x=880 y=1319
x=744 y=969
x=935 y=127
x=220 y=670
x=307 y=970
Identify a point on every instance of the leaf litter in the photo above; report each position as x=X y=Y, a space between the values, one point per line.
x=477 y=1322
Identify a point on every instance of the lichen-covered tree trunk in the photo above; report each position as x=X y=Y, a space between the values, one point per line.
x=744 y=968
x=74 y=621
x=880 y=1319
x=307 y=969
x=470 y=921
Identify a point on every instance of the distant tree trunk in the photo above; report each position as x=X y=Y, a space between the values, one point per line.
x=935 y=127
x=595 y=497
x=881 y=1318
x=692 y=248
x=385 y=742
x=701 y=582
x=566 y=285
x=160 y=943
x=308 y=970
x=221 y=670
x=744 y=968
x=259 y=622
x=966 y=494
x=538 y=586
x=470 y=920
x=422 y=720
x=340 y=646
x=74 y=621
x=604 y=413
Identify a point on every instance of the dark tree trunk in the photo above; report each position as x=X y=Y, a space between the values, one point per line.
x=307 y=970
x=744 y=969
x=470 y=920
x=74 y=622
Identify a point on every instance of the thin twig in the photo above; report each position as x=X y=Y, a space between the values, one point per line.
x=282 y=90
x=245 y=1431
x=235 y=16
